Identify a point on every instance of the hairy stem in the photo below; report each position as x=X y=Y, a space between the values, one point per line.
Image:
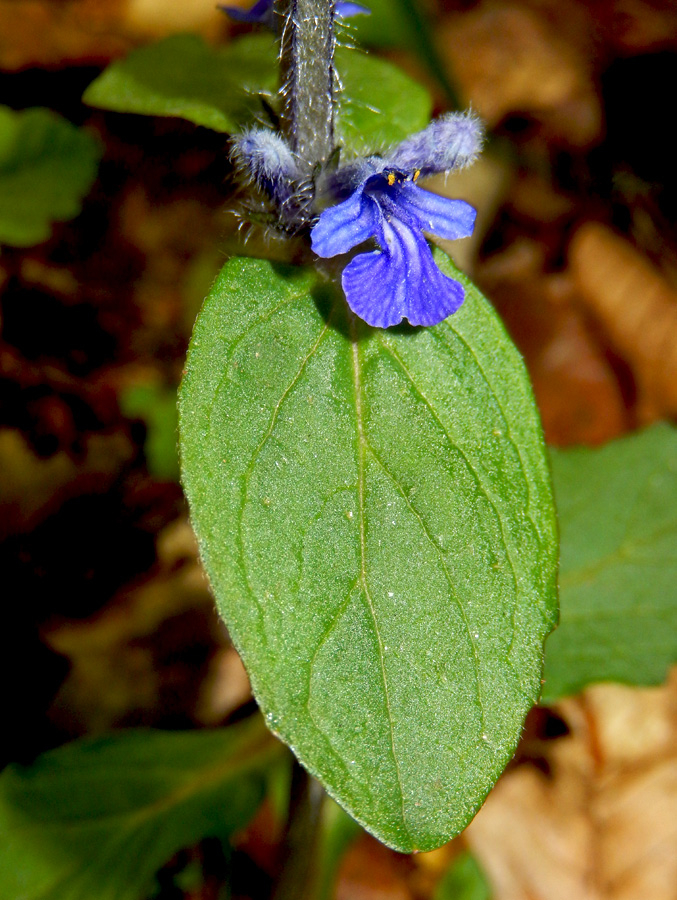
x=307 y=56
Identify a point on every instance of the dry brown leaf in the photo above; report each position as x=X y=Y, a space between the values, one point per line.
x=225 y=688
x=157 y=18
x=637 y=308
x=576 y=389
x=114 y=670
x=31 y=489
x=534 y=199
x=640 y=25
x=42 y=33
x=603 y=825
x=508 y=58
x=49 y=33
x=370 y=871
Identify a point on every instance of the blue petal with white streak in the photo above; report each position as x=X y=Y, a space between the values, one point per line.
x=400 y=279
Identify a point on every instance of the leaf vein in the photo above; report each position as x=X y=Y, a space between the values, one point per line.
x=433 y=543
x=246 y=478
x=261 y=320
x=361 y=446
x=471 y=469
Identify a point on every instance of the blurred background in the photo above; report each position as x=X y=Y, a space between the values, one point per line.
x=109 y=622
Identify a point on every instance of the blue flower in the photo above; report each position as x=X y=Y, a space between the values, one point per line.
x=381 y=201
x=401 y=279
x=262 y=13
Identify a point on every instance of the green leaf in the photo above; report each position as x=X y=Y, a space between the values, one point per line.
x=155 y=405
x=181 y=76
x=98 y=817
x=375 y=514
x=464 y=880
x=47 y=166
x=617 y=509
x=386 y=26
x=404 y=23
x=379 y=106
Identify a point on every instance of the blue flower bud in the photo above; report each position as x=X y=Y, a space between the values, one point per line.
x=449 y=142
x=265 y=159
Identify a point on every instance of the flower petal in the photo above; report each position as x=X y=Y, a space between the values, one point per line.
x=450 y=219
x=400 y=282
x=430 y=295
x=345 y=10
x=344 y=226
x=260 y=13
x=375 y=288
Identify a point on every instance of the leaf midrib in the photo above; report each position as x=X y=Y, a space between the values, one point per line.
x=362 y=447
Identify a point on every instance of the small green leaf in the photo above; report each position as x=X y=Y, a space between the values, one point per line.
x=386 y=26
x=404 y=23
x=98 y=817
x=617 y=508
x=47 y=166
x=156 y=406
x=375 y=514
x=181 y=76
x=379 y=105
x=464 y=880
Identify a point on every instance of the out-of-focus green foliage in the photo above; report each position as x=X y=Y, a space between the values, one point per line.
x=618 y=575
x=98 y=817
x=221 y=88
x=339 y=830
x=156 y=406
x=379 y=105
x=463 y=880
x=404 y=24
x=47 y=166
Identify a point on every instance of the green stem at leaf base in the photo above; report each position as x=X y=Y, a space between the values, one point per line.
x=301 y=841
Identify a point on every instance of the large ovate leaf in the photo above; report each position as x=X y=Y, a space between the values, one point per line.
x=181 y=76
x=375 y=515
x=98 y=817
x=617 y=508
x=220 y=88
x=47 y=165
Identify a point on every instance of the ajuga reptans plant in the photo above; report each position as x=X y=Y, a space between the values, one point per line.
x=361 y=451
